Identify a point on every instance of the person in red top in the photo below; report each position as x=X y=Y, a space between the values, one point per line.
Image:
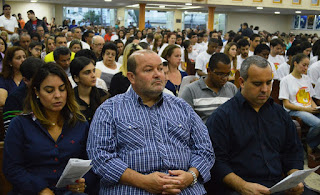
x=31 y=25
x=108 y=35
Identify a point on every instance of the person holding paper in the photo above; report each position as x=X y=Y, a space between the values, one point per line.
x=145 y=141
x=40 y=142
x=255 y=140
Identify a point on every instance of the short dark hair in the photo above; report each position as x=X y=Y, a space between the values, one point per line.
x=60 y=51
x=78 y=64
x=35 y=35
x=88 y=54
x=191 y=34
x=30 y=66
x=260 y=48
x=33 y=44
x=254 y=36
x=58 y=36
x=144 y=45
x=5 y=6
x=275 y=42
x=150 y=36
x=294 y=50
x=111 y=46
x=216 y=58
x=243 y=43
x=213 y=40
x=86 y=34
x=30 y=11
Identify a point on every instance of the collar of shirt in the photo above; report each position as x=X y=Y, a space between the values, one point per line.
x=243 y=102
x=133 y=95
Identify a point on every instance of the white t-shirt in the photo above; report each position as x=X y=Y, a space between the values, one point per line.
x=283 y=70
x=198 y=48
x=84 y=45
x=107 y=73
x=313 y=60
x=277 y=60
x=314 y=72
x=9 y=24
x=114 y=37
x=317 y=90
x=251 y=53
x=239 y=61
x=202 y=61
x=298 y=91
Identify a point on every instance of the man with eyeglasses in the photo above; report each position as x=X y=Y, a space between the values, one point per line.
x=209 y=92
x=97 y=45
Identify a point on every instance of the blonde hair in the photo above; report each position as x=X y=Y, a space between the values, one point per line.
x=156 y=39
x=130 y=48
x=226 y=51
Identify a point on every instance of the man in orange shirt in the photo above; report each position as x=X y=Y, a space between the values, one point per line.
x=21 y=21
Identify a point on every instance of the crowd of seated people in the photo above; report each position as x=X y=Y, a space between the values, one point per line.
x=54 y=77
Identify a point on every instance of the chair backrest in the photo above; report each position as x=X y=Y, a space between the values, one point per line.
x=236 y=79
x=5 y=186
x=275 y=91
x=186 y=81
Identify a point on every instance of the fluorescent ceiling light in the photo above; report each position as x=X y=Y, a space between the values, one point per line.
x=107 y=0
x=34 y=1
x=162 y=6
x=298 y=12
x=135 y=5
x=259 y=7
x=276 y=12
x=188 y=4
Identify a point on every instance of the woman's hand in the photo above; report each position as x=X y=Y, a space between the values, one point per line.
x=46 y=191
x=312 y=110
x=79 y=187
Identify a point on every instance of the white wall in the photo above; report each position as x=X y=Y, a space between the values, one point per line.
x=270 y=23
x=40 y=9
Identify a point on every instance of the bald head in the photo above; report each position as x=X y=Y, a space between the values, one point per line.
x=97 y=45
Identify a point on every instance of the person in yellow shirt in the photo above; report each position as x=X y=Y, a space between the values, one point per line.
x=60 y=40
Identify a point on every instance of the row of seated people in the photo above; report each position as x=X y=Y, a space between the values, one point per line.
x=53 y=120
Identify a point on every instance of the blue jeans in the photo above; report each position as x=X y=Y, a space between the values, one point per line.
x=312 y=120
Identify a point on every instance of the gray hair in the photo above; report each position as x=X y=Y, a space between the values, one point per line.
x=15 y=37
x=252 y=60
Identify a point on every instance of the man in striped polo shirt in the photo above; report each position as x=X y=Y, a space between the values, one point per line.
x=209 y=92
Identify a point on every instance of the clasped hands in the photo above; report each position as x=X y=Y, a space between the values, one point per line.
x=172 y=183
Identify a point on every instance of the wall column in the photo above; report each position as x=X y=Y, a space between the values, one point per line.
x=142 y=15
x=211 y=18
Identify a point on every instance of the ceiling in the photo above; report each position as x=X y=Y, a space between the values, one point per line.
x=173 y=6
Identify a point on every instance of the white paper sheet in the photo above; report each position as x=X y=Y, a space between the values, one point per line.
x=75 y=169
x=292 y=180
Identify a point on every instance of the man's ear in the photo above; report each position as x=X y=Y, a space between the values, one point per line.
x=131 y=77
x=241 y=82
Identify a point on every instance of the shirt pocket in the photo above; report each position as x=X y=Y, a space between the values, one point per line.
x=131 y=135
x=178 y=133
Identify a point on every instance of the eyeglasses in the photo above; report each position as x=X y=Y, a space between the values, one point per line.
x=221 y=74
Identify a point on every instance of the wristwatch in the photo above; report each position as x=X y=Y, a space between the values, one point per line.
x=194 y=178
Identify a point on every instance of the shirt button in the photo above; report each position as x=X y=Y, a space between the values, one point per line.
x=56 y=145
x=130 y=127
x=54 y=171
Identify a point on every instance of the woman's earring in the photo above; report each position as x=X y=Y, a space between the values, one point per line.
x=37 y=97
